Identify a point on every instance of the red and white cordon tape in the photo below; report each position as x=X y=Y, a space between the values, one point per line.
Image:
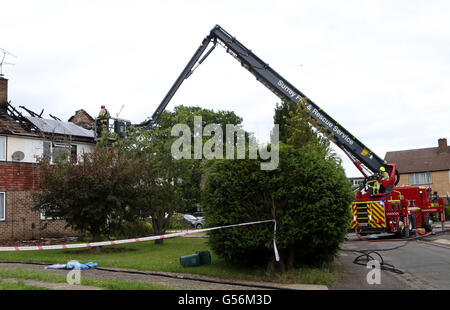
x=123 y=241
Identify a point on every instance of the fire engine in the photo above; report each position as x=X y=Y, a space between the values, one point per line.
x=381 y=205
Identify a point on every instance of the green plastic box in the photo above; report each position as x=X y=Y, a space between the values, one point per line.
x=190 y=260
x=205 y=258
x=197 y=259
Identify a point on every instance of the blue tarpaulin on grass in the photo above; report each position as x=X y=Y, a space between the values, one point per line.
x=73 y=265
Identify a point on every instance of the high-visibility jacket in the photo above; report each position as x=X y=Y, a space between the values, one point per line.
x=384 y=176
x=103 y=113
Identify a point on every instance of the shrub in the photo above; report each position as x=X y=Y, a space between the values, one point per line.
x=308 y=195
x=177 y=222
x=137 y=228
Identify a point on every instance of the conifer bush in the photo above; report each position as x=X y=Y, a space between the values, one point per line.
x=308 y=195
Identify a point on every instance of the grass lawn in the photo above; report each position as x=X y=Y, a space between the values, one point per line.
x=54 y=278
x=166 y=257
x=17 y=286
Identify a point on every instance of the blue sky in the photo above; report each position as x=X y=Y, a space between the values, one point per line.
x=380 y=68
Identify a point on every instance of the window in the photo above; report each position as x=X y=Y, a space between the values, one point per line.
x=44 y=217
x=2 y=148
x=420 y=178
x=357 y=181
x=54 y=150
x=58 y=150
x=2 y=206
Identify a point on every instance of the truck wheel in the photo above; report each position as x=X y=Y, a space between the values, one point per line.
x=411 y=225
x=427 y=223
x=406 y=231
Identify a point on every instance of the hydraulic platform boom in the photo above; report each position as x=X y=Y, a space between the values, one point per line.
x=361 y=155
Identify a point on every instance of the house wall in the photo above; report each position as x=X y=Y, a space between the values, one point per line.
x=23 y=223
x=18 y=180
x=33 y=148
x=441 y=182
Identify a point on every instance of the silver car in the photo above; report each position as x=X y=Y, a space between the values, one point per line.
x=194 y=221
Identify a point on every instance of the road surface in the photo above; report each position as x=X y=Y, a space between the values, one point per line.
x=424 y=264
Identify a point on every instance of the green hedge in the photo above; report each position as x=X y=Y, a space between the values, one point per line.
x=308 y=194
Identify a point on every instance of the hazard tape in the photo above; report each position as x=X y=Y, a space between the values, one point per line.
x=123 y=241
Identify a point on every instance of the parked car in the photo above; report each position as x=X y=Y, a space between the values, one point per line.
x=193 y=221
x=199 y=214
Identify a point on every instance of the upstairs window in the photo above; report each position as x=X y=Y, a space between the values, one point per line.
x=2 y=148
x=54 y=150
x=421 y=178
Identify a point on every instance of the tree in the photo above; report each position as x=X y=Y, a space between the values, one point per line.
x=308 y=195
x=191 y=186
x=297 y=127
x=159 y=187
x=91 y=195
x=283 y=110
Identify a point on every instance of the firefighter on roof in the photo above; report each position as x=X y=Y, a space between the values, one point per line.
x=102 y=119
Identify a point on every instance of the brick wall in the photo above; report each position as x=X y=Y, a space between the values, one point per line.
x=17 y=176
x=441 y=182
x=83 y=119
x=18 y=182
x=22 y=223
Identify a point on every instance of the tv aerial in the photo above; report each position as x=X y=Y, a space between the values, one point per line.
x=2 y=59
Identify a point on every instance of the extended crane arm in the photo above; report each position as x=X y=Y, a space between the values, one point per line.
x=361 y=155
x=188 y=70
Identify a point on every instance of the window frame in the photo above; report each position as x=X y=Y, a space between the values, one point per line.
x=71 y=149
x=43 y=217
x=5 y=144
x=3 y=202
x=427 y=176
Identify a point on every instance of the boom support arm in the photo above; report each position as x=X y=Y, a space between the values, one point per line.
x=356 y=150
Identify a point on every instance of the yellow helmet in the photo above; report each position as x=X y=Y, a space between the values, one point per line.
x=382 y=169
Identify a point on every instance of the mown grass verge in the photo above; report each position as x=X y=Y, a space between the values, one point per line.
x=17 y=286
x=54 y=278
x=166 y=258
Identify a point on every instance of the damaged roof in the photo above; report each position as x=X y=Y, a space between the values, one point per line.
x=8 y=125
x=60 y=127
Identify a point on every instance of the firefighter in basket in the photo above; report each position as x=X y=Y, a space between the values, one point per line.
x=376 y=186
x=102 y=120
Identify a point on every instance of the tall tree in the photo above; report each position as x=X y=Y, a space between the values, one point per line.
x=185 y=115
x=308 y=195
x=283 y=111
x=90 y=195
x=158 y=190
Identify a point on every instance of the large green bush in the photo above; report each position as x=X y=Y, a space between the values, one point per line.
x=308 y=195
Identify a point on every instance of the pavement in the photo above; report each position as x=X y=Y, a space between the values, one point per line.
x=422 y=264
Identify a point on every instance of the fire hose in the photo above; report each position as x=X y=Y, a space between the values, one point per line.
x=366 y=256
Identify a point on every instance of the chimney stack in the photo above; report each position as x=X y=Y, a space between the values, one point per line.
x=442 y=145
x=3 y=95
